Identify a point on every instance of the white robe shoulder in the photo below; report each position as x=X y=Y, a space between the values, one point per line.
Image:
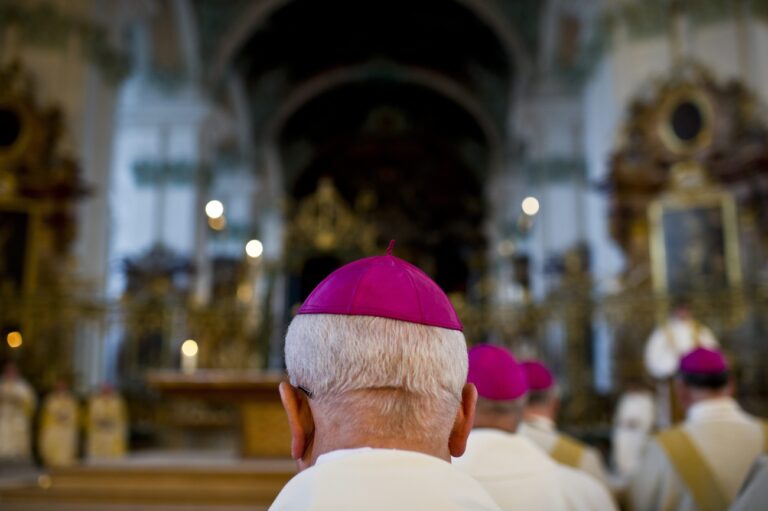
x=382 y=480
x=520 y=475
x=727 y=439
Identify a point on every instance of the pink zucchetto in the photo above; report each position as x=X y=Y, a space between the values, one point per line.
x=496 y=373
x=386 y=287
x=703 y=361
x=538 y=375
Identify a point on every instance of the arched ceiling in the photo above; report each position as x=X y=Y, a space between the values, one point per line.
x=310 y=36
x=291 y=42
x=381 y=126
x=407 y=99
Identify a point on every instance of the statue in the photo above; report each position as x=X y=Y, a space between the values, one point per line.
x=17 y=406
x=59 y=426
x=106 y=426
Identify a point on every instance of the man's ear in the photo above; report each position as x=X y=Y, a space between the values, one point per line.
x=300 y=422
x=465 y=418
x=730 y=386
x=682 y=393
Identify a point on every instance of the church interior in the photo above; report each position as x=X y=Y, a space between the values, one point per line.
x=176 y=176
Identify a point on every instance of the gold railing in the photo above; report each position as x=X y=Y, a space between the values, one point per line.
x=595 y=345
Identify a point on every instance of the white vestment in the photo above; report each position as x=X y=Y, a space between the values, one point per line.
x=59 y=428
x=632 y=426
x=754 y=495
x=17 y=406
x=729 y=441
x=670 y=341
x=519 y=475
x=542 y=432
x=106 y=427
x=382 y=480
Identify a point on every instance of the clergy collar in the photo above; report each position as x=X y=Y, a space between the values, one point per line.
x=714 y=409
x=540 y=422
x=340 y=453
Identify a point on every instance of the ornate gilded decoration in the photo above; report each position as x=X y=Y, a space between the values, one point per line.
x=694 y=237
x=43 y=24
x=324 y=222
x=687 y=116
x=685 y=120
x=39 y=187
x=37 y=179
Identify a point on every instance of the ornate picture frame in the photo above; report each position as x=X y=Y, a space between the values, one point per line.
x=686 y=118
x=694 y=238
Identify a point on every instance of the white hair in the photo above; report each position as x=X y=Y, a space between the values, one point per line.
x=407 y=377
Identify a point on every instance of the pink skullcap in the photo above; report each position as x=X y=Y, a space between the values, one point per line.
x=386 y=287
x=538 y=376
x=703 y=361
x=496 y=373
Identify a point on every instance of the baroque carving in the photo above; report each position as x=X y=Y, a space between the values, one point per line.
x=689 y=116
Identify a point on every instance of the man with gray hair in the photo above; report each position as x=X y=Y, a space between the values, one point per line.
x=514 y=470
x=377 y=401
x=539 y=425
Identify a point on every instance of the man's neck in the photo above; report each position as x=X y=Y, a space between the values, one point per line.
x=337 y=443
x=502 y=424
x=537 y=412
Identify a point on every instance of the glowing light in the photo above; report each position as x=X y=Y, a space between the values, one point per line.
x=214 y=209
x=254 y=248
x=530 y=206
x=189 y=348
x=217 y=224
x=14 y=339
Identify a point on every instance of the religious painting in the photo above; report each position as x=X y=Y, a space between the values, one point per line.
x=694 y=240
x=18 y=229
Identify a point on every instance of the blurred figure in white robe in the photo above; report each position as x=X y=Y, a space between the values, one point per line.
x=106 y=425
x=17 y=407
x=59 y=427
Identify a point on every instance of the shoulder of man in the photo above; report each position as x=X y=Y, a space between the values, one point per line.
x=328 y=484
x=583 y=491
x=569 y=450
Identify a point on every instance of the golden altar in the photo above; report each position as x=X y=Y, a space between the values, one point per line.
x=263 y=425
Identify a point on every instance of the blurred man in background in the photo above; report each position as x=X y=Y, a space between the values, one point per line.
x=514 y=470
x=702 y=464
x=540 y=427
x=17 y=407
x=59 y=427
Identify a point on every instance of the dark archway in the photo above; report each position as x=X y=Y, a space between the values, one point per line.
x=421 y=156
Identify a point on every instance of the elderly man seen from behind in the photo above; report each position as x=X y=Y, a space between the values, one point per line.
x=539 y=425
x=514 y=470
x=377 y=401
x=702 y=463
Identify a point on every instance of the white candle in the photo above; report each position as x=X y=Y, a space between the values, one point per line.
x=189 y=356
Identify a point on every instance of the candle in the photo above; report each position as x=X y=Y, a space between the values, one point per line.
x=189 y=356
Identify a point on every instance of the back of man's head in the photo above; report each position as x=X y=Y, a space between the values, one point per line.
x=703 y=374
x=502 y=387
x=378 y=352
x=378 y=376
x=543 y=394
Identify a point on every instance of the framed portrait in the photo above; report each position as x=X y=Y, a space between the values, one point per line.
x=19 y=232
x=694 y=238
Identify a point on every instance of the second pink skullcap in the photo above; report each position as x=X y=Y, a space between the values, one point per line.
x=703 y=361
x=538 y=375
x=496 y=373
x=383 y=286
